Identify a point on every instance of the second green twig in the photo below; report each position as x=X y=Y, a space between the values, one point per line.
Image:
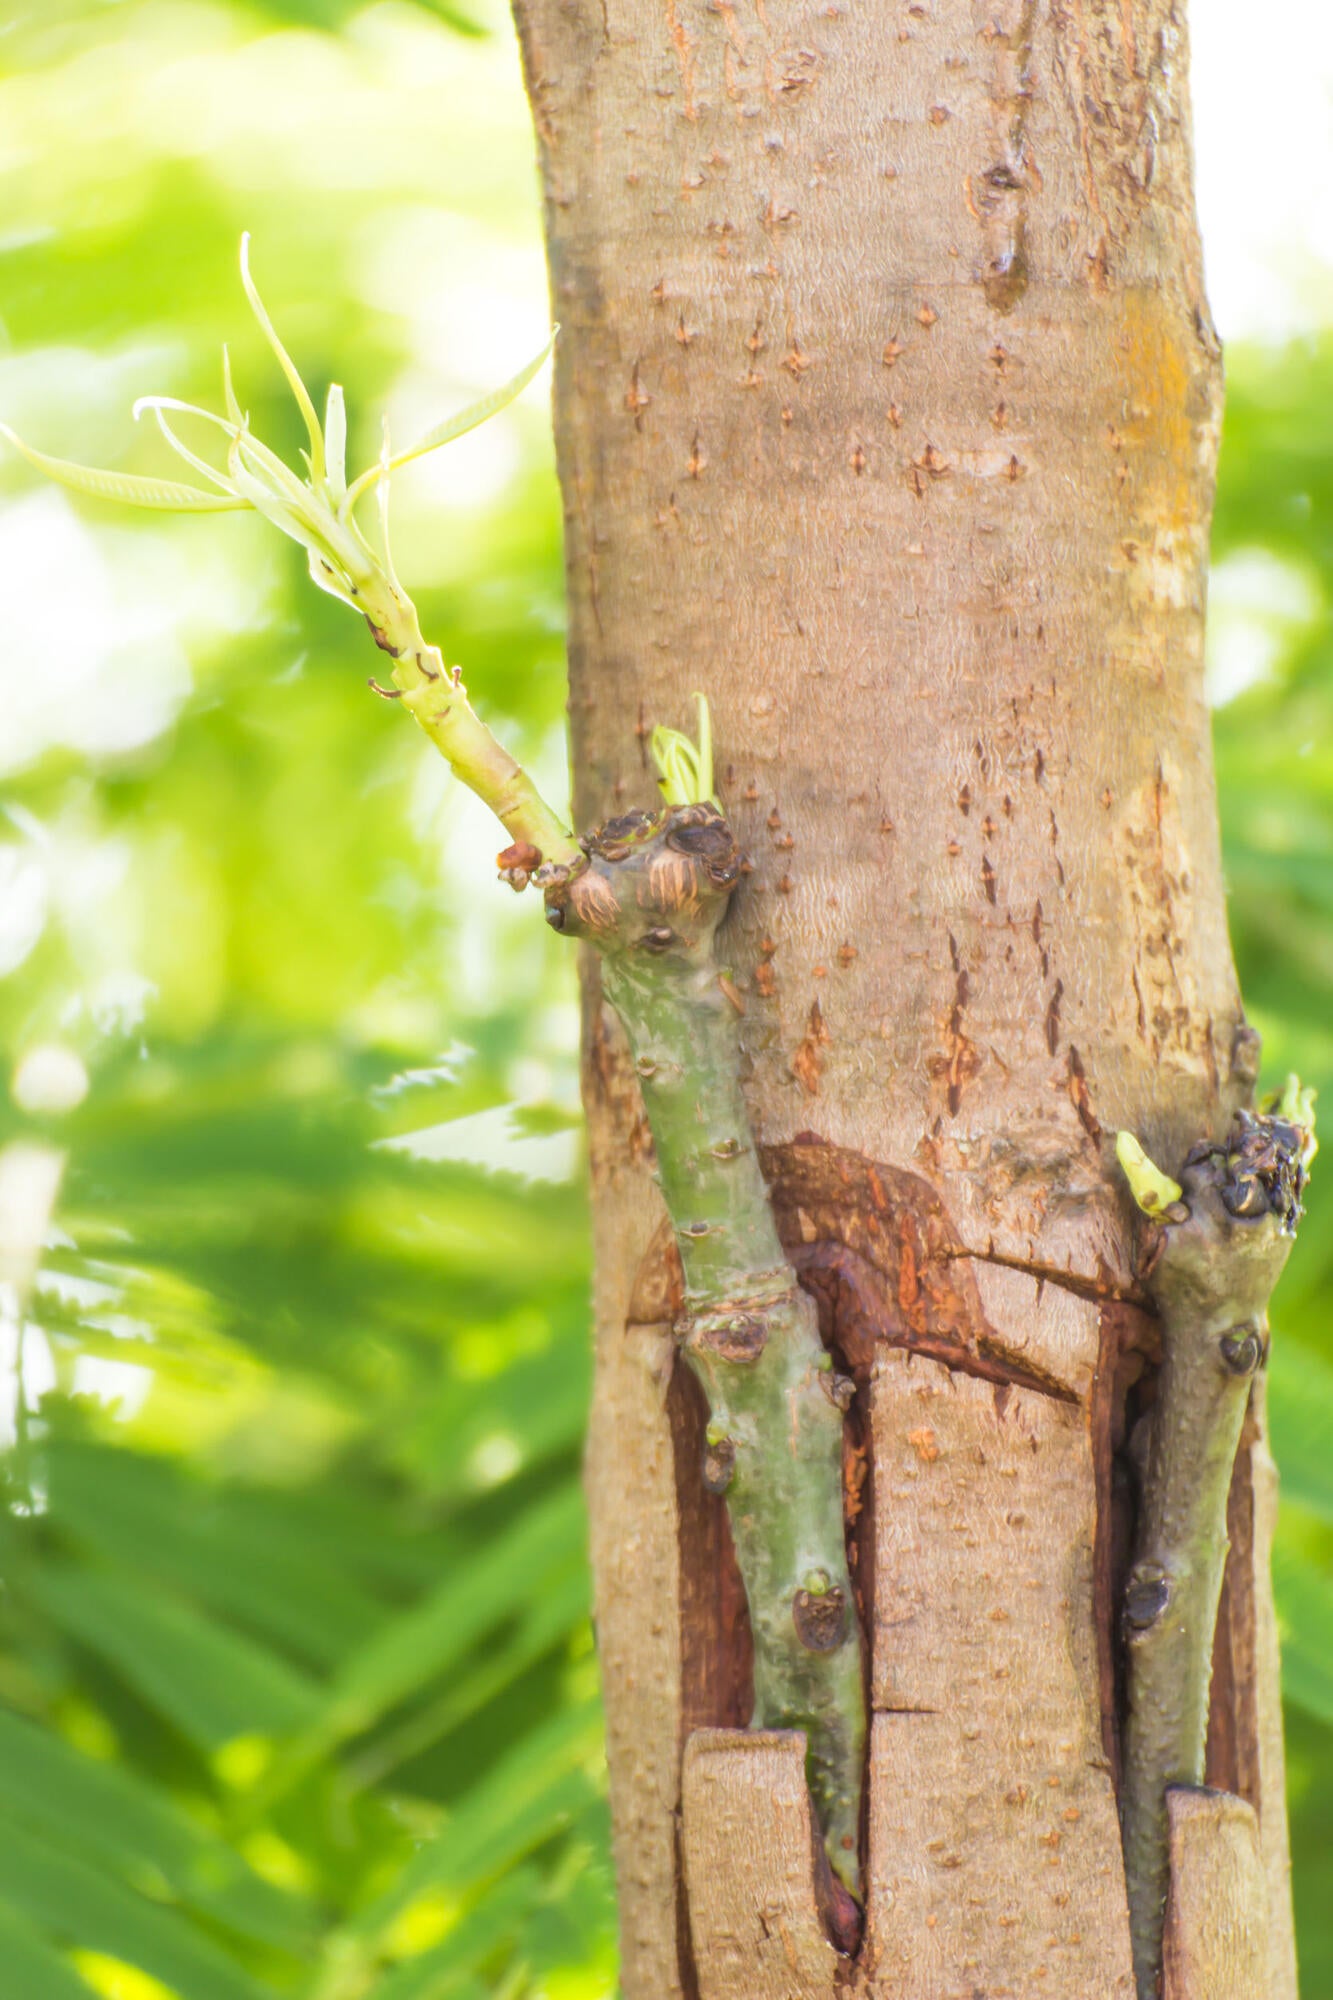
x=1223 y=1235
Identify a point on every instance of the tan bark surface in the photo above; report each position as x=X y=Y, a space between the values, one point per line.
x=748 y=1845
x=637 y=1583
x=987 y=1743
x=886 y=412
x=1216 y=1945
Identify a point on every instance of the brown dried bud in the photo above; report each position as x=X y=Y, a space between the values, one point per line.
x=711 y=844
x=1242 y=1350
x=840 y=1390
x=617 y=833
x=819 y=1616
x=1146 y=1599
x=739 y=1337
x=517 y=864
x=719 y=1463
x=522 y=854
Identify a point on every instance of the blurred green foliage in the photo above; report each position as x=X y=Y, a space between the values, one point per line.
x=297 y=1692
x=295 y=1659
x=1273 y=655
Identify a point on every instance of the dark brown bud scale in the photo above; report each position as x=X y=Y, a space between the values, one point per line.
x=840 y=1390
x=1242 y=1350
x=739 y=1337
x=710 y=841
x=1260 y=1170
x=719 y=1463
x=1145 y=1600
x=820 y=1619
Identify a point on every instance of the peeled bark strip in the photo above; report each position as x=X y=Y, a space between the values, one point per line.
x=1216 y=1943
x=748 y=1855
x=649 y=893
x=635 y=1558
x=1213 y=1271
x=886 y=411
x=987 y=1738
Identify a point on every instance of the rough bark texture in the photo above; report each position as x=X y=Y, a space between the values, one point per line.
x=886 y=413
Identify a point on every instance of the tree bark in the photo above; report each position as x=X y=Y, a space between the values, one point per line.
x=886 y=412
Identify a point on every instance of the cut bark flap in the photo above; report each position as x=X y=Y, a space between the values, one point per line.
x=749 y=1849
x=630 y=1445
x=986 y=1734
x=1216 y=1941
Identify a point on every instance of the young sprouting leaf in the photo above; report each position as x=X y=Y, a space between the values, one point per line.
x=285 y=362
x=686 y=768
x=673 y=755
x=330 y=580
x=1153 y=1190
x=317 y=511
x=335 y=441
x=452 y=427
x=276 y=505
x=705 y=746
x=131 y=489
x=159 y=405
x=272 y=474
x=297 y=509
x=1296 y=1104
x=382 y=492
x=238 y=418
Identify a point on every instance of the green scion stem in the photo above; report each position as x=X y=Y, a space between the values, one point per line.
x=1217 y=1259
x=438 y=701
x=649 y=896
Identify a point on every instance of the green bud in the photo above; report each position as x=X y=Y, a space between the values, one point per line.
x=686 y=767
x=1153 y=1190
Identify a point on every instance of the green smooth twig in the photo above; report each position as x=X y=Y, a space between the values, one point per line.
x=1224 y=1233
x=648 y=893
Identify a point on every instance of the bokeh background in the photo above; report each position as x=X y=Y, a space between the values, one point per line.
x=297 y=1687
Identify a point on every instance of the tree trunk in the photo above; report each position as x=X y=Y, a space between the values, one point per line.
x=886 y=410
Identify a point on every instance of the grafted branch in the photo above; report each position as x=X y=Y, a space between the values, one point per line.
x=1224 y=1232
x=649 y=893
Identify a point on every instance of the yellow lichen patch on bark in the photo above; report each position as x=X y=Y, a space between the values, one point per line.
x=1168 y=423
